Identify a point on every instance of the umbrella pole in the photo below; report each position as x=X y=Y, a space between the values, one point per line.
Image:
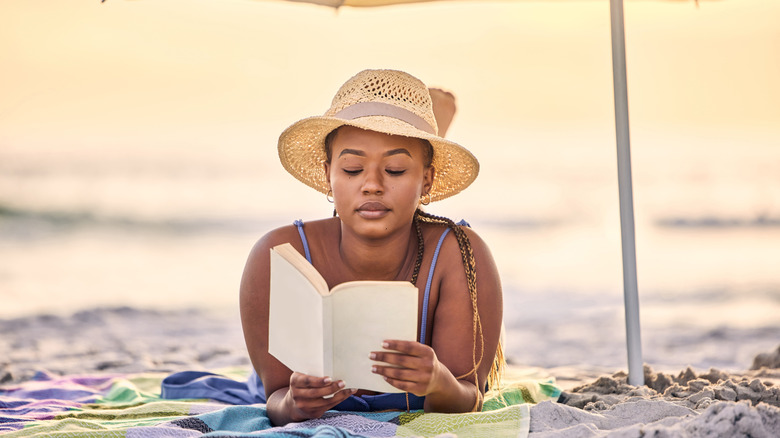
x=630 y=293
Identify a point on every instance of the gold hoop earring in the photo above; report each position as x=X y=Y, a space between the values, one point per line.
x=423 y=199
x=329 y=196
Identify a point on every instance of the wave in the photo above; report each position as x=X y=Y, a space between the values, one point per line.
x=770 y=293
x=761 y=221
x=518 y=223
x=704 y=222
x=23 y=223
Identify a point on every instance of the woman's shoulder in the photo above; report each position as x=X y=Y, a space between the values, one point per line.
x=437 y=230
x=450 y=250
x=291 y=234
x=455 y=252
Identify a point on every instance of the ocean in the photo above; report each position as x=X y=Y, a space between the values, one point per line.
x=169 y=227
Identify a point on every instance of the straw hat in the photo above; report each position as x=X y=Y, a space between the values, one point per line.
x=387 y=101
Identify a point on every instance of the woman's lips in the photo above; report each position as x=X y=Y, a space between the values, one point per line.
x=372 y=210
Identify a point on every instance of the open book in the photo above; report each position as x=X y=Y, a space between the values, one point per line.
x=323 y=332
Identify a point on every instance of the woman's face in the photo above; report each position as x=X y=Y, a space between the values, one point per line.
x=377 y=180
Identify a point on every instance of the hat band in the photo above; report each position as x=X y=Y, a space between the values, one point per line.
x=366 y=109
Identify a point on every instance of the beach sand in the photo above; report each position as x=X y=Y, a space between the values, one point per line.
x=595 y=402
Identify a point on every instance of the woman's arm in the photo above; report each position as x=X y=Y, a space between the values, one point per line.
x=443 y=373
x=290 y=396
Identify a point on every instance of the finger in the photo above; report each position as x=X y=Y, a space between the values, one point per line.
x=411 y=387
x=301 y=380
x=339 y=397
x=399 y=360
x=402 y=374
x=318 y=392
x=413 y=348
x=315 y=407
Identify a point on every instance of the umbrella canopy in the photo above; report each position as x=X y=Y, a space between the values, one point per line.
x=367 y=3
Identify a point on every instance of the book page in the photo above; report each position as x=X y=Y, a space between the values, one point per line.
x=300 y=263
x=365 y=313
x=295 y=323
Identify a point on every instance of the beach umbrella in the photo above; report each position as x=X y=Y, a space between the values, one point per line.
x=625 y=190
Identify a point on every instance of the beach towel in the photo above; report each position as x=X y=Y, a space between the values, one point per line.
x=129 y=405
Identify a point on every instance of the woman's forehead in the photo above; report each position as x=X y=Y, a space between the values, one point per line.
x=364 y=141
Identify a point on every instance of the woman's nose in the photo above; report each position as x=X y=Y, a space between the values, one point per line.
x=373 y=182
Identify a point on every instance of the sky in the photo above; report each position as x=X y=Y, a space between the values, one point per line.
x=199 y=72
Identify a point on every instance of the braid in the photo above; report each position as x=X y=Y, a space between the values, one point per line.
x=420 y=250
x=467 y=255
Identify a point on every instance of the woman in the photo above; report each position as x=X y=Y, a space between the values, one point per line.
x=377 y=156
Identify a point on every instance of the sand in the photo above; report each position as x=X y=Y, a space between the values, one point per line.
x=595 y=402
x=119 y=340
x=690 y=404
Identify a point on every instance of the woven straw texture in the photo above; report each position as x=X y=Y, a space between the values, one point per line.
x=302 y=145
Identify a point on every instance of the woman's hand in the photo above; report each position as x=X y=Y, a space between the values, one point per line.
x=413 y=367
x=310 y=396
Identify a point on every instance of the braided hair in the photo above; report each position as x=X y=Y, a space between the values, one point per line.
x=467 y=255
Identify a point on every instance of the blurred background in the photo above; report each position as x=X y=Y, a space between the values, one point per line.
x=138 y=156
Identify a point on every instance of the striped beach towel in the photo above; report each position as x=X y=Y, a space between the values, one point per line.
x=130 y=406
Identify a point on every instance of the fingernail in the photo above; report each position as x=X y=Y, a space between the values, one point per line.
x=328 y=380
x=385 y=345
x=341 y=384
x=373 y=369
x=353 y=390
x=372 y=355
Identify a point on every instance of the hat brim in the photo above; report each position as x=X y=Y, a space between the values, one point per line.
x=302 y=152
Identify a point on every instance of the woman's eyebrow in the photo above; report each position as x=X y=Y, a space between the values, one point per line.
x=396 y=152
x=353 y=152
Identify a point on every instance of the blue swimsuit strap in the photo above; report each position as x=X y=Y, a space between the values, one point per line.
x=299 y=224
x=424 y=321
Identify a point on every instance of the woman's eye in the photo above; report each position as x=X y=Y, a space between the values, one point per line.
x=395 y=172
x=352 y=171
